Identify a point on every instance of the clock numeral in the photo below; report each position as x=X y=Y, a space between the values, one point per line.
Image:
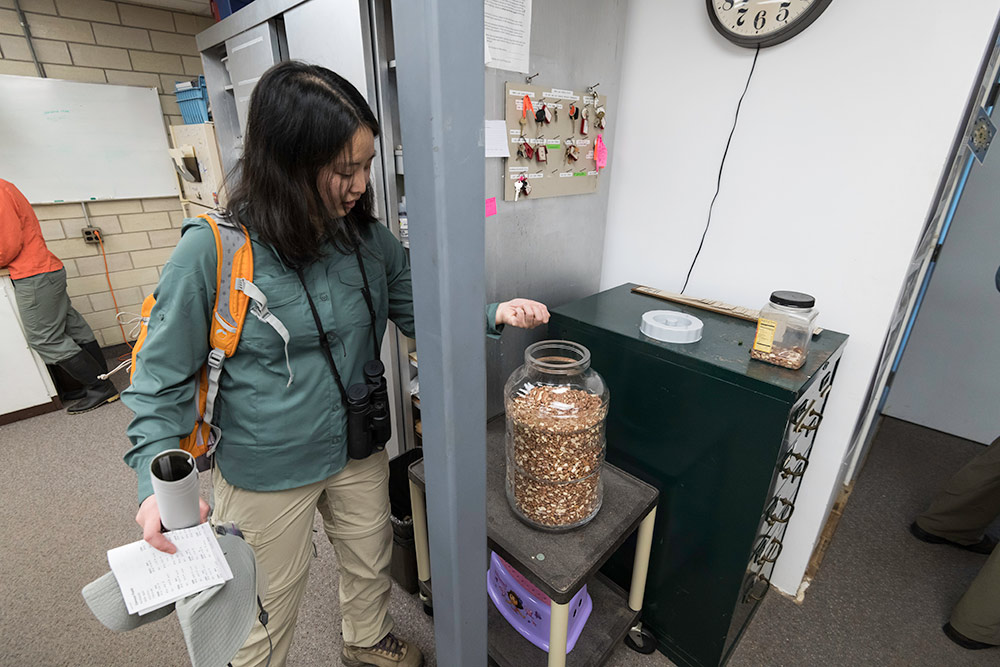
x=727 y=5
x=742 y=12
x=760 y=19
x=783 y=12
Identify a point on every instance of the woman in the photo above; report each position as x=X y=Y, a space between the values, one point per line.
x=303 y=195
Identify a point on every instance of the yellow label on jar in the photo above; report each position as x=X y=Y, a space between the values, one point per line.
x=764 y=339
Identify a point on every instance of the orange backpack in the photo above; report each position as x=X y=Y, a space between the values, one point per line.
x=234 y=291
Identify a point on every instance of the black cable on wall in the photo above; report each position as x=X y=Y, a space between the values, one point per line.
x=718 y=182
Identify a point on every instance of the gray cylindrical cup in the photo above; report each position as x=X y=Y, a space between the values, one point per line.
x=175 y=485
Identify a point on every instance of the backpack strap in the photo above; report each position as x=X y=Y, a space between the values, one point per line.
x=235 y=262
x=260 y=311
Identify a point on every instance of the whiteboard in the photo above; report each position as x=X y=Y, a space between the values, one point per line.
x=70 y=141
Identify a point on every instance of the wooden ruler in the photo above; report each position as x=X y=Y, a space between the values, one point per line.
x=721 y=307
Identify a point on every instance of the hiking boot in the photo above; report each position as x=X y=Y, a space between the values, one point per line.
x=390 y=652
x=85 y=369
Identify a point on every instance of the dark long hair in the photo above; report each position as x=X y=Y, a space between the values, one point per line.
x=301 y=118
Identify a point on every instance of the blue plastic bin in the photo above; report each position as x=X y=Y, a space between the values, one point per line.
x=193 y=101
x=227 y=7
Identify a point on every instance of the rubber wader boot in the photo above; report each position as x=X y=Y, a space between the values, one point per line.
x=93 y=348
x=68 y=388
x=85 y=370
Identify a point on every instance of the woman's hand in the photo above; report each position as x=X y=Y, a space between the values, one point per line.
x=522 y=313
x=149 y=518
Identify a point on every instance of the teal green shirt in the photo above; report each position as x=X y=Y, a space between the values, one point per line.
x=274 y=436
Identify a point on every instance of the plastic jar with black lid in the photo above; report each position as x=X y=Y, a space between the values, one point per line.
x=784 y=329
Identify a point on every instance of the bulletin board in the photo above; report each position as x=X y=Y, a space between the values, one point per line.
x=559 y=175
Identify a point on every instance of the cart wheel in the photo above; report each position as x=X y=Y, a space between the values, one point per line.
x=640 y=640
x=428 y=604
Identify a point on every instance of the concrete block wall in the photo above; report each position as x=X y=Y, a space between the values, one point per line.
x=139 y=235
x=100 y=41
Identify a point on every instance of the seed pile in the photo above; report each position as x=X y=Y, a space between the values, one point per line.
x=789 y=357
x=555 y=448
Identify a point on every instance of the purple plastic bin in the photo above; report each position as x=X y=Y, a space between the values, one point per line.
x=528 y=609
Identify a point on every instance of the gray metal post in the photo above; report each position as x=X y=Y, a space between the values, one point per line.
x=439 y=56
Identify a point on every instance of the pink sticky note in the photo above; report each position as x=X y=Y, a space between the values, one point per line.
x=600 y=153
x=491 y=206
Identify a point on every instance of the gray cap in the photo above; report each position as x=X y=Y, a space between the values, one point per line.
x=215 y=622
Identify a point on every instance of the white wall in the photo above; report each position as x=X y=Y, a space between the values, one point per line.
x=841 y=142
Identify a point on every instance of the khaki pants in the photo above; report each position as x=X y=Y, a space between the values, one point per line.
x=354 y=504
x=968 y=504
x=52 y=326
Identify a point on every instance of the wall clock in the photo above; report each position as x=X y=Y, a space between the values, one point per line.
x=754 y=23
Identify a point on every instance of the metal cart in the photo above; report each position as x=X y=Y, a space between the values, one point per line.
x=559 y=564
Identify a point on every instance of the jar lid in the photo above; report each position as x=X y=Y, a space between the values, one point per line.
x=792 y=299
x=671 y=326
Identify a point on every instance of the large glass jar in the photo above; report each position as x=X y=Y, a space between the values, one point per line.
x=556 y=407
x=784 y=329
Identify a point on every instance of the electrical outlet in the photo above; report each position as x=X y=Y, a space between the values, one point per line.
x=91 y=235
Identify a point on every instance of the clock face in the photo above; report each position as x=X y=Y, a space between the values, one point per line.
x=763 y=22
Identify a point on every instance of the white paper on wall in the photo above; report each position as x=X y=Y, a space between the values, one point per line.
x=508 y=34
x=496 y=139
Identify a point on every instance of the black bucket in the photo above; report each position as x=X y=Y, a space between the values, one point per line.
x=403 y=567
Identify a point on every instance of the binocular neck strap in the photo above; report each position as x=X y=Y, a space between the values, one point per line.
x=324 y=342
x=368 y=300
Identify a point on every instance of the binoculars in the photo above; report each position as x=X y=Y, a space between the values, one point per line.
x=368 y=424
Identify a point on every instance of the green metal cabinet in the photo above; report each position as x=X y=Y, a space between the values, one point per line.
x=724 y=438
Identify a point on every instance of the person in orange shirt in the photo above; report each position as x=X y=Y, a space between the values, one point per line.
x=54 y=329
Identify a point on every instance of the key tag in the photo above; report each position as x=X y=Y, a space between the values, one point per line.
x=525 y=107
x=529 y=151
x=572 y=153
x=599 y=121
x=542 y=153
x=526 y=185
x=600 y=153
x=584 y=124
x=547 y=113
